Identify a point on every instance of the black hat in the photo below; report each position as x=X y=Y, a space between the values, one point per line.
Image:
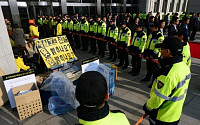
x=139 y=25
x=173 y=44
x=90 y=17
x=91 y=89
x=124 y=22
x=74 y=17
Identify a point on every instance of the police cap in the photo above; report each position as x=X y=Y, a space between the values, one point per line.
x=173 y=44
x=124 y=22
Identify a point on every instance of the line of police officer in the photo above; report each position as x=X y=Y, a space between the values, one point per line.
x=141 y=45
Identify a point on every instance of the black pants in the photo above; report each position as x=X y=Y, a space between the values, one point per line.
x=77 y=41
x=84 y=42
x=90 y=41
x=194 y=31
x=112 y=49
x=101 y=45
x=152 y=69
x=123 y=54
x=71 y=41
x=136 y=63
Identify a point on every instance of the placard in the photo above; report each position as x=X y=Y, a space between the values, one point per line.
x=15 y=80
x=90 y=64
x=55 y=50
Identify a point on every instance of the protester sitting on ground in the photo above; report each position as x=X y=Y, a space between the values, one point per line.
x=19 y=61
x=92 y=94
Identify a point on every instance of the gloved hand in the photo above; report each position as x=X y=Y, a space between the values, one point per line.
x=147 y=110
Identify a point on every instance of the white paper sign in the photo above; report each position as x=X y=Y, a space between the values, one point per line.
x=90 y=64
x=15 y=80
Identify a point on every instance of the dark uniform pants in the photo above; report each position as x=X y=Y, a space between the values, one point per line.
x=84 y=41
x=77 y=40
x=91 y=41
x=101 y=45
x=152 y=69
x=122 y=53
x=112 y=48
x=71 y=41
x=156 y=122
x=136 y=63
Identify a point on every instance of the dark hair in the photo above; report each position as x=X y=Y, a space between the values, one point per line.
x=175 y=19
x=185 y=19
x=16 y=26
x=91 y=90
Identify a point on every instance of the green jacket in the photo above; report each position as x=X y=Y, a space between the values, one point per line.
x=70 y=25
x=76 y=26
x=139 y=40
x=84 y=26
x=186 y=54
x=110 y=119
x=169 y=90
x=125 y=35
x=112 y=32
x=64 y=24
x=153 y=39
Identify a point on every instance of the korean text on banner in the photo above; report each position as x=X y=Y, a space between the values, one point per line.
x=55 y=50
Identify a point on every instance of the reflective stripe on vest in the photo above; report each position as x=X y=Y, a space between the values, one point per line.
x=180 y=84
x=173 y=99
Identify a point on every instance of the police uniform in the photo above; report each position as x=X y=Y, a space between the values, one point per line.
x=84 y=27
x=169 y=91
x=123 y=43
x=100 y=29
x=186 y=54
x=91 y=33
x=64 y=27
x=136 y=49
x=152 y=53
x=112 y=37
x=76 y=29
x=69 y=31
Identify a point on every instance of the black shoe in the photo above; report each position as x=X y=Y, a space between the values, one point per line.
x=119 y=65
x=135 y=74
x=108 y=58
x=131 y=72
x=114 y=60
x=145 y=80
x=124 y=67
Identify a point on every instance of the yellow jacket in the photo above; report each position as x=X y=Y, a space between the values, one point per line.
x=33 y=31
x=59 y=30
x=20 y=64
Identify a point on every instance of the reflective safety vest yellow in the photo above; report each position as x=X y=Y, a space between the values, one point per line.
x=139 y=40
x=144 y=16
x=186 y=54
x=91 y=26
x=125 y=35
x=110 y=119
x=181 y=16
x=112 y=32
x=104 y=29
x=76 y=26
x=70 y=25
x=169 y=91
x=171 y=16
x=153 y=39
x=84 y=26
x=163 y=16
x=64 y=24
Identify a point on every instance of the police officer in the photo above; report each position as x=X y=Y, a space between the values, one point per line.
x=64 y=26
x=123 y=43
x=136 y=49
x=152 y=54
x=169 y=89
x=186 y=48
x=76 y=28
x=94 y=108
x=69 y=32
x=84 y=27
x=112 y=38
x=100 y=30
x=91 y=33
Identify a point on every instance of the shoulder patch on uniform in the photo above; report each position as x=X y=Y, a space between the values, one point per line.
x=160 y=85
x=117 y=111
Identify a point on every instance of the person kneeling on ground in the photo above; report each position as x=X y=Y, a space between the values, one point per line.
x=19 y=61
x=92 y=94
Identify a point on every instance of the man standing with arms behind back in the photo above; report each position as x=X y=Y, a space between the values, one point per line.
x=169 y=89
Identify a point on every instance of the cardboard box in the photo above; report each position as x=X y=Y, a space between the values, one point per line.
x=27 y=104
x=3 y=93
x=109 y=74
x=114 y=67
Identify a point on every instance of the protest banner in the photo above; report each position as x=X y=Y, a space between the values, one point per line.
x=55 y=50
